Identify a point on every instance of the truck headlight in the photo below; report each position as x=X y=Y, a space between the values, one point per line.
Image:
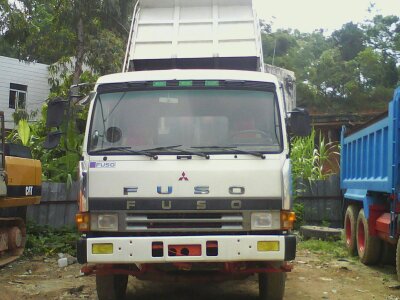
x=104 y=222
x=261 y=220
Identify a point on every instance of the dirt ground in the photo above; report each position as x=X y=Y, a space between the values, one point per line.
x=313 y=277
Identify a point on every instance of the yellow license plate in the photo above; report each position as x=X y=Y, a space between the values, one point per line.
x=264 y=246
x=102 y=248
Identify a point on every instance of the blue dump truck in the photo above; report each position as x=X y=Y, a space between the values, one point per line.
x=370 y=180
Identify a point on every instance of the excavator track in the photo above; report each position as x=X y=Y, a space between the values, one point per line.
x=12 y=234
x=12 y=239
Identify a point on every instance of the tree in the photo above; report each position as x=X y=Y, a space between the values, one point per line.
x=68 y=35
x=350 y=40
x=84 y=31
x=355 y=68
x=383 y=34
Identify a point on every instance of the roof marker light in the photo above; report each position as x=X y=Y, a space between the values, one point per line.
x=186 y=83
x=159 y=84
x=211 y=83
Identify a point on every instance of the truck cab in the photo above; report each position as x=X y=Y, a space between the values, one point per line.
x=185 y=167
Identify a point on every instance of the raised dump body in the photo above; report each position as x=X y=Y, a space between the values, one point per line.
x=195 y=34
x=367 y=156
x=370 y=182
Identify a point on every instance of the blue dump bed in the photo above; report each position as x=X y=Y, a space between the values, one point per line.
x=370 y=156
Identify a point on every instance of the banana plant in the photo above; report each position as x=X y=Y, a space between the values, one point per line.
x=24 y=132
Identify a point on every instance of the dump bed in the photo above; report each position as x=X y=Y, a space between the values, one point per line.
x=194 y=34
x=370 y=156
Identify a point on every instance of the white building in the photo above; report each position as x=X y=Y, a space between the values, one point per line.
x=22 y=86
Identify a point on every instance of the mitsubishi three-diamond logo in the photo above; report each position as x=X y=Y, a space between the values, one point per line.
x=183 y=177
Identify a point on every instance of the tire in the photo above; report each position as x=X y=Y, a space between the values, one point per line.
x=398 y=259
x=368 y=247
x=350 y=221
x=111 y=287
x=271 y=285
x=388 y=255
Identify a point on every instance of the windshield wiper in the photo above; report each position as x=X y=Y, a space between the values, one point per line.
x=125 y=149
x=233 y=148
x=176 y=147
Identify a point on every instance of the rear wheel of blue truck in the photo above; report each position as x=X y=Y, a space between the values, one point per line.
x=368 y=246
x=398 y=259
x=271 y=285
x=111 y=287
x=350 y=222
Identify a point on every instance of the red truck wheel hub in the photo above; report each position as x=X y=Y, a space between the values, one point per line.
x=361 y=237
x=348 y=231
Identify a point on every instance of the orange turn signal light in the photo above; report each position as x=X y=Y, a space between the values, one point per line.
x=83 y=221
x=287 y=219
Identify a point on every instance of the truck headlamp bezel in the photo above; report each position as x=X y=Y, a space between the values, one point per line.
x=104 y=222
x=268 y=220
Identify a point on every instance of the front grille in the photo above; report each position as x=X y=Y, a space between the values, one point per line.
x=184 y=222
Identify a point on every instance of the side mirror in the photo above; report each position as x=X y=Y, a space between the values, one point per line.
x=55 y=117
x=299 y=122
x=52 y=140
x=55 y=112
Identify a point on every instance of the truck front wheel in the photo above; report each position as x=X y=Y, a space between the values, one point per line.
x=368 y=246
x=271 y=285
x=111 y=287
x=350 y=222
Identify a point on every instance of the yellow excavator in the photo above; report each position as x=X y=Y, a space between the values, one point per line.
x=20 y=186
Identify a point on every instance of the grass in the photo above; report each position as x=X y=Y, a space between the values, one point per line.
x=328 y=249
x=48 y=241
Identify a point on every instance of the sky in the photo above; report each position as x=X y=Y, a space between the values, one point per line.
x=308 y=15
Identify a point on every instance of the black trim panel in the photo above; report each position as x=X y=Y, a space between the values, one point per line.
x=290 y=247
x=174 y=204
x=250 y=63
x=196 y=85
x=23 y=190
x=81 y=251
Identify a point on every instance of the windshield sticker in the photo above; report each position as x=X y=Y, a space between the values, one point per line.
x=103 y=165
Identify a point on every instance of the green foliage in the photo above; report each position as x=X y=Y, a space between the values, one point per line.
x=311 y=156
x=81 y=39
x=328 y=249
x=20 y=114
x=59 y=164
x=45 y=240
x=356 y=68
x=24 y=132
x=47 y=30
x=350 y=40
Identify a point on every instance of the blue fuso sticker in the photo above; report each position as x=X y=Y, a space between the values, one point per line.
x=103 y=165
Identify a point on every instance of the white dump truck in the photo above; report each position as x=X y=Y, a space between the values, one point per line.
x=185 y=169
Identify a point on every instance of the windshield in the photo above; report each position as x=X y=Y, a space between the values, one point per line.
x=145 y=120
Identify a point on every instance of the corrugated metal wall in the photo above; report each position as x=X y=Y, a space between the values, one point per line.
x=322 y=200
x=58 y=206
